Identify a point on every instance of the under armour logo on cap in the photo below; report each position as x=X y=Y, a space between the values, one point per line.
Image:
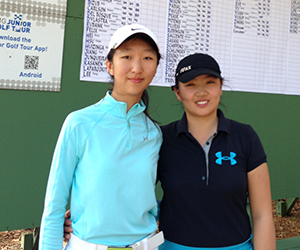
x=226 y=158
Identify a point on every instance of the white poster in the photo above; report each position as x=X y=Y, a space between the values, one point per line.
x=31 y=44
x=256 y=42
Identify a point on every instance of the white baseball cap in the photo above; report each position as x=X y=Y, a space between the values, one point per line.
x=124 y=32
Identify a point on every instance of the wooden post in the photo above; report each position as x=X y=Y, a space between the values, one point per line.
x=290 y=203
x=27 y=241
x=281 y=208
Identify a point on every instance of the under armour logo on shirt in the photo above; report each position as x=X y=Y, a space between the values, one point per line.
x=145 y=138
x=226 y=158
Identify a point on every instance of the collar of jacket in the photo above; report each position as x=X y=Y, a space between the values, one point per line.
x=119 y=109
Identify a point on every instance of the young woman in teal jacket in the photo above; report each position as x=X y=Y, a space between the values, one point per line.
x=106 y=157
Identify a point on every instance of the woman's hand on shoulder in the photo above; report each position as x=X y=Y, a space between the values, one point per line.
x=67 y=226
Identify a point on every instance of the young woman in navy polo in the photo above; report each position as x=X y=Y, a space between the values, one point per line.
x=208 y=167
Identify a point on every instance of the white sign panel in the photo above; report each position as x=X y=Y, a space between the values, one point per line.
x=31 y=44
x=256 y=42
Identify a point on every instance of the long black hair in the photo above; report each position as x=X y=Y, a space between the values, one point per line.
x=147 y=39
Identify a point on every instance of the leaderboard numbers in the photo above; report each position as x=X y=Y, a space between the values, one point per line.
x=203 y=26
x=248 y=17
x=295 y=17
x=130 y=13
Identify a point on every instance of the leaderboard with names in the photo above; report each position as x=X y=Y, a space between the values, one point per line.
x=256 y=42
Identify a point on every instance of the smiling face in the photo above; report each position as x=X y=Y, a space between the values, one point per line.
x=200 y=96
x=133 y=67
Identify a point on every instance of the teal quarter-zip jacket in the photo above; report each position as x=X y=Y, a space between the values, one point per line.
x=107 y=158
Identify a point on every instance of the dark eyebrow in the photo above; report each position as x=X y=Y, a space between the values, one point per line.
x=125 y=49
x=151 y=50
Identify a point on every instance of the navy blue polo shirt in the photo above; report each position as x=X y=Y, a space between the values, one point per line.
x=206 y=188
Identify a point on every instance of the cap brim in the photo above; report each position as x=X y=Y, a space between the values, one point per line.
x=126 y=32
x=191 y=74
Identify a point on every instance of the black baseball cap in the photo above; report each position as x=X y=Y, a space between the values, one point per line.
x=195 y=65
